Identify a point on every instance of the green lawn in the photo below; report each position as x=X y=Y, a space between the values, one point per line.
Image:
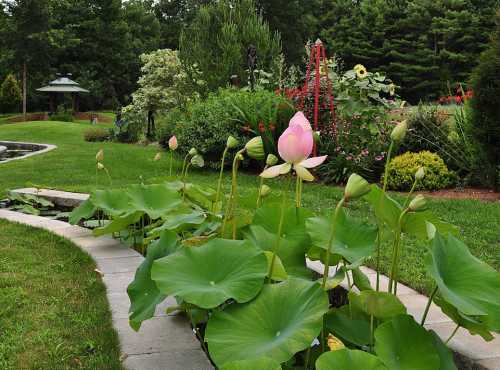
x=46 y=321
x=72 y=167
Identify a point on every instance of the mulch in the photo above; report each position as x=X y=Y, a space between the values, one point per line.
x=466 y=193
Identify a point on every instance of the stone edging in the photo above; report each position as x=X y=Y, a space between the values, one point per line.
x=164 y=342
x=485 y=354
x=48 y=148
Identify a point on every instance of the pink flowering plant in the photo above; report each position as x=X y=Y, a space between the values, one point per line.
x=245 y=286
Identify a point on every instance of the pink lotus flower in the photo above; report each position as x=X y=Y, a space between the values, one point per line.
x=295 y=146
x=172 y=143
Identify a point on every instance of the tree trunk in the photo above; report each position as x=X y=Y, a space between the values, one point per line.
x=25 y=73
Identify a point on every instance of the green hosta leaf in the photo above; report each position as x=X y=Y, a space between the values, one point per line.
x=118 y=224
x=445 y=355
x=143 y=292
x=259 y=364
x=83 y=212
x=209 y=275
x=349 y=324
x=346 y=359
x=154 y=200
x=474 y=326
x=112 y=202
x=464 y=281
x=279 y=272
x=379 y=304
x=283 y=320
x=291 y=253
x=352 y=239
x=361 y=280
x=402 y=344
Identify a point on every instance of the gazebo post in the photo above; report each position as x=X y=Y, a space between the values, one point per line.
x=51 y=102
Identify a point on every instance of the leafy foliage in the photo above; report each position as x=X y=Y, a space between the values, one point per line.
x=10 y=94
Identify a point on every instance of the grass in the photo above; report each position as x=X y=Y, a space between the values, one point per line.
x=46 y=321
x=72 y=167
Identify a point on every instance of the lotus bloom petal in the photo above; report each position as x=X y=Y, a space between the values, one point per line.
x=295 y=144
x=303 y=173
x=313 y=162
x=275 y=171
x=300 y=119
x=172 y=143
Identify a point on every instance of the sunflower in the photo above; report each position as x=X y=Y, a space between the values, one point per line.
x=361 y=71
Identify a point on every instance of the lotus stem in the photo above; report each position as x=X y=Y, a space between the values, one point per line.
x=171 y=161
x=395 y=255
x=372 y=319
x=407 y=201
x=308 y=357
x=452 y=334
x=261 y=182
x=230 y=205
x=280 y=230
x=184 y=165
x=184 y=176
x=428 y=306
x=219 y=184
x=326 y=270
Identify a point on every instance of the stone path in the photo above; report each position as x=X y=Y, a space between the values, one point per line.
x=485 y=355
x=164 y=342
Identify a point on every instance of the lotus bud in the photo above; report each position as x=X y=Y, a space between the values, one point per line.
x=255 y=148
x=271 y=160
x=198 y=161
x=240 y=157
x=192 y=152
x=100 y=166
x=99 y=157
x=172 y=143
x=356 y=187
x=420 y=174
x=317 y=136
x=417 y=204
x=232 y=142
x=264 y=191
x=157 y=157
x=399 y=132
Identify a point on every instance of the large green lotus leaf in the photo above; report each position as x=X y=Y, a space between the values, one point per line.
x=112 y=202
x=346 y=359
x=209 y=275
x=445 y=354
x=258 y=364
x=82 y=212
x=291 y=253
x=385 y=208
x=204 y=196
x=284 y=319
x=118 y=224
x=181 y=219
x=416 y=224
x=349 y=324
x=402 y=344
x=154 y=200
x=473 y=325
x=464 y=281
x=352 y=239
x=143 y=292
x=382 y=305
x=360 y=280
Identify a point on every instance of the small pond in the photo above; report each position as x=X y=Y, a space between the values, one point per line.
x=10 y=150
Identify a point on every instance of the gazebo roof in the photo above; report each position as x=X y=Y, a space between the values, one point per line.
x=63 y=85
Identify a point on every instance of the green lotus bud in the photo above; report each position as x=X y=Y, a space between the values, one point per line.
x=420 y=174
x=356 y=187
x=240 y=157
x=271 y=160
x=418 y=203
x=264 y=191
x=100 y=166
x=317 y=136
x=197 y=161
x=255 y=148
x=192 y=151
x=399 y=132
x=232 y=142
x=99 y=157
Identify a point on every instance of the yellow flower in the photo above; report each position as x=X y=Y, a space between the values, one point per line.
x=361 y=71
x=334 y=343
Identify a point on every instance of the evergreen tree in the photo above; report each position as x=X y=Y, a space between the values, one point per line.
x=10 y=95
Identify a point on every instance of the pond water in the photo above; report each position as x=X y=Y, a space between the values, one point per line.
x=10 y=150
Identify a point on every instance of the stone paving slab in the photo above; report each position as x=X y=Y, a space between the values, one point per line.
x=60 y=198
x=164 y=342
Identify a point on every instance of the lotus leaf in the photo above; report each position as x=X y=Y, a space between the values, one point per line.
x=154 y=200
x=382 y=305
x=259 y=364
x=349 y=324
x=346 y=359
x=112 y=202
x=82 y=212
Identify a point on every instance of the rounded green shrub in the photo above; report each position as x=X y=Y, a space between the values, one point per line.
x=402 y=172
x=95 y=134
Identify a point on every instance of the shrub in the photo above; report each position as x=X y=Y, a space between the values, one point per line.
x=10 y=95
x=402 y=172
x=62 y=114
x=129 y=129
x=95 y=134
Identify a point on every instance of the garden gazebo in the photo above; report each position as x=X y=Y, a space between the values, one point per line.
x=63 y=85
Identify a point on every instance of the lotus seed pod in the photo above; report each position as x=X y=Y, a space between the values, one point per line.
x=232 y=142
x=420 y=174
x=356 y=187
x=172 y=143
x=271 y=160
x=399 y=132
x=99 y=157
x=100 y=166
x=418 y=203
x=157 y=157
x=192 y=152
x=264 y=191
x=255 y=148
x=198 y=161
